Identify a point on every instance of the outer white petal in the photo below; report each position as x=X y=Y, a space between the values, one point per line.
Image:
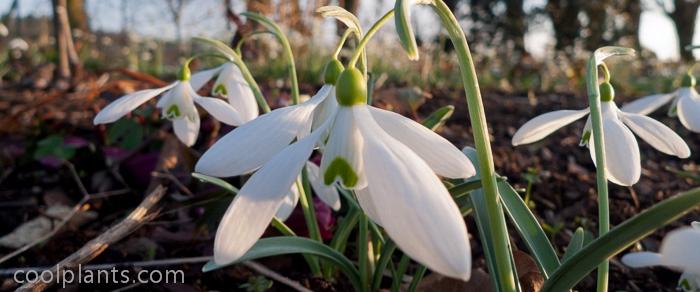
x=327 y=107
x=689 y=111
x=414 y=206
x=367 y=204
x=127 y=103
x=258 y=201
x=679 y=249
x=288 y=204
x=251 y=145
x=648 y=104
x=443 y=157
x=200 y=78
x=220 y=110
x=238 y=92
x=187 y=128
x=545 y=124
x=344 y=149
x=327 y=194
x=656 y=134
x=642 y=259
x=623 y=164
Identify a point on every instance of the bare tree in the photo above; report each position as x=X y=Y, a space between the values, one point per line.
x=683 y=14
x=176 y=8
x=68 y=59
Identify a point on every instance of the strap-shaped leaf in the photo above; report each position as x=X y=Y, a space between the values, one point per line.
x=273 y=246
x=216 y=181
x=575 y=244
x=620 y=238
x=438 y=117
x=529 y=229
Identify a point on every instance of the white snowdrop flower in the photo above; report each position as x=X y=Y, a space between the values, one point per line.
x=327 y=194
x=18 y=44
x=3 y=30
x=621 y=150
x=391 y=162
x=248 y=147
x=177 y=104
x=685 y=103
x=678 y=252
x=231 y=85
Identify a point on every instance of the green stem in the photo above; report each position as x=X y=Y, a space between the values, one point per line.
x=247 y=37
x=306 y=203
x=363 y=251
x=499 y=232
x=341 y=43
x=277 y=31
x=370 y=33
x=416 y=278
x=400 y=271
x=282 y=228
x=384 y=259
x=601 y=176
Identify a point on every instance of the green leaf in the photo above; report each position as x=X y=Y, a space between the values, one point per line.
x=273 y=246
x=384 y=259
x=529 y=229
x=402 y=8
x=575 y=244
x=438 y=117
x=128 y=131
x=342 y=15
x=217 y=181
x=53 y=146
x=620 y=238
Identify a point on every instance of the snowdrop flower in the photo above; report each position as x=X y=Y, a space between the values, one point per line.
x=685 y=103
x=679 y=252
x=231 y=85
x=3 y=30
x=621 y=150
x=248 y=147
x=327 y=194
x=177 y=104
x=389 y=160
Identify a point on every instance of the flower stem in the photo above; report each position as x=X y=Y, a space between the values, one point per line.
x=362 y=251
x=341 y=43
x=498 y=232
x=370 y=33
x=277 y=31
x=310 y=216
x=601 y=176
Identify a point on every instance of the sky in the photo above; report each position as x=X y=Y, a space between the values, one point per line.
x=204 y=18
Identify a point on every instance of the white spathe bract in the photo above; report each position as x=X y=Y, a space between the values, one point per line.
x=248 y=147
x=621 y=150
x=679 y=251
x=401 y=190
x=685 y=103
x=177 y=104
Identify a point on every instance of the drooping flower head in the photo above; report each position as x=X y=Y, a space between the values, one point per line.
x=621 y=150
x=685 y=103
x=177 y=104
x=679 y=251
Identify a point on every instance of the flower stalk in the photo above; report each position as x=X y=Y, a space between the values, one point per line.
x=307 y=206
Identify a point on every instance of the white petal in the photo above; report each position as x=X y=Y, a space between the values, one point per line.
x=220 y=110
x=200 y=78
x=648 y=104
x=186 y=129
x=443 y=157
x=180 y=96
x=622 y=162
x=414 y=207
x=327 y=107
x=367 y=204
x=238 y=92
x=289 y=203
x=127 y=103
x=258 y=201
x=641 y=259
x=656 y=134
x=679 y=249
x=689 y=111
x=327 y=194
x=251 y=145
x=342 y=155
x=545 y=124
x=586 y=133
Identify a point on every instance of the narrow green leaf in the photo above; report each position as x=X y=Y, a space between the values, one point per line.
x=438 y=117
x=619 y=238
x=273 y=246
x=420 y=272
x=217 y=181
x=384 y=260
x=529 y=229
x=575 y=244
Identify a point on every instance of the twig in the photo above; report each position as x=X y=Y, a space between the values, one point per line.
x=169 y=176
x=95 y=247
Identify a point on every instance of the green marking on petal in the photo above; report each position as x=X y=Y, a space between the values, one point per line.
x=173 y=112
x=584 y=139
x=339 y=167
x=220 y=89
x=684 y=284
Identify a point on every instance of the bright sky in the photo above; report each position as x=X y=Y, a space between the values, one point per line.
x=203 y=17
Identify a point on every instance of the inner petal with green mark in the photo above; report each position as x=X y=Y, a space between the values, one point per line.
x=340 y=167
x=220 y=89
x=172 y=112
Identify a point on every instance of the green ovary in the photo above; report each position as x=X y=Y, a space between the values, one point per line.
x=339 y=167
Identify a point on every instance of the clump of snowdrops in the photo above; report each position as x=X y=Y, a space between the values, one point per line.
x=399 y=186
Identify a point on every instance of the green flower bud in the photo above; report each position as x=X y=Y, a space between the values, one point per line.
x=688 y=80
x=607 y=92
x=351 y=88
x=184 y=73
x=332 y=71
